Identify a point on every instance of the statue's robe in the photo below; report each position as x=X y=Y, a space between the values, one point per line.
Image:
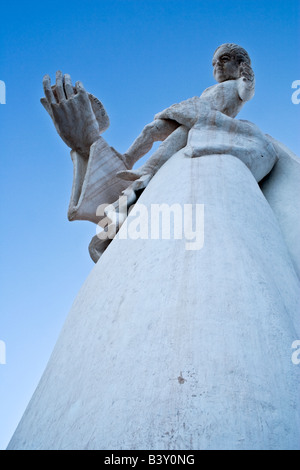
x=95 y=182
x=168 y=348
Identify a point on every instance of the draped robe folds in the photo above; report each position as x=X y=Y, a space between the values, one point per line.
x=95 y=182
x=171 y=349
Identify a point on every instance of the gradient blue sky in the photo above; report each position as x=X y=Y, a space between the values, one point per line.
x=137 y=57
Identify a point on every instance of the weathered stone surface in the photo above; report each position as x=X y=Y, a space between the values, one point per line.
x=169 y=346
x=282 y=191
x=95 y=181
x=166 y=348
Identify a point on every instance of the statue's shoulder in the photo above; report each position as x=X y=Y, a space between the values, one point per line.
x=209 y=90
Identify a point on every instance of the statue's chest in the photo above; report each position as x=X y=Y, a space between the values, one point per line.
x=224 y=97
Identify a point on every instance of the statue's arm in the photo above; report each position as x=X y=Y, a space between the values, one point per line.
x=246 y=82
x=158 y=130
x=79 y=119
x=185 y=113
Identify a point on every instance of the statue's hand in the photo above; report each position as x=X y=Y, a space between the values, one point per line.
x=78 y=116
x=133 y=175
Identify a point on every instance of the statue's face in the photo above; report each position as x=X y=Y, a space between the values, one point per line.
x=225 y=66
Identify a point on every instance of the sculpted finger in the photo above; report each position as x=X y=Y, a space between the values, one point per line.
x=59 y=87
x=46 y=105
x=69 y=91
x=48 y=90
x=79 y=87
x=83 y=95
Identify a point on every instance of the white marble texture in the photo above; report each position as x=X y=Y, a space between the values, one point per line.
x=282 y=191
x=166 y=348
x=95 y=181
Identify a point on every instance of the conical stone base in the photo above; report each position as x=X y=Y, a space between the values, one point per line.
x=166 y=348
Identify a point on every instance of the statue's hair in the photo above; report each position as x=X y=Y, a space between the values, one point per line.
x=240 y=54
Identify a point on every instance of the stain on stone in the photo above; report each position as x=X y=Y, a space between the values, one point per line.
x=180 y=379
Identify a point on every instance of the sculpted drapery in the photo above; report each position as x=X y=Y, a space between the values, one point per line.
x=204 y=125
x=169 y=348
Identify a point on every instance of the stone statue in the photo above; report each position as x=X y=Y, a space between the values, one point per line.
x=80 y=118
x=166 y=348
x=232 y=69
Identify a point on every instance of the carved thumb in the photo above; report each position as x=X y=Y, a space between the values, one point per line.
x=47 y=106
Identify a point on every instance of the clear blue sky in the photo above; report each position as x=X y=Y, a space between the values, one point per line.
x=137 y=57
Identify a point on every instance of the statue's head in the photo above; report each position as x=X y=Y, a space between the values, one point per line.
x=226 y=62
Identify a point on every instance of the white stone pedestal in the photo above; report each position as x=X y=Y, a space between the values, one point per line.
x=166 y=348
